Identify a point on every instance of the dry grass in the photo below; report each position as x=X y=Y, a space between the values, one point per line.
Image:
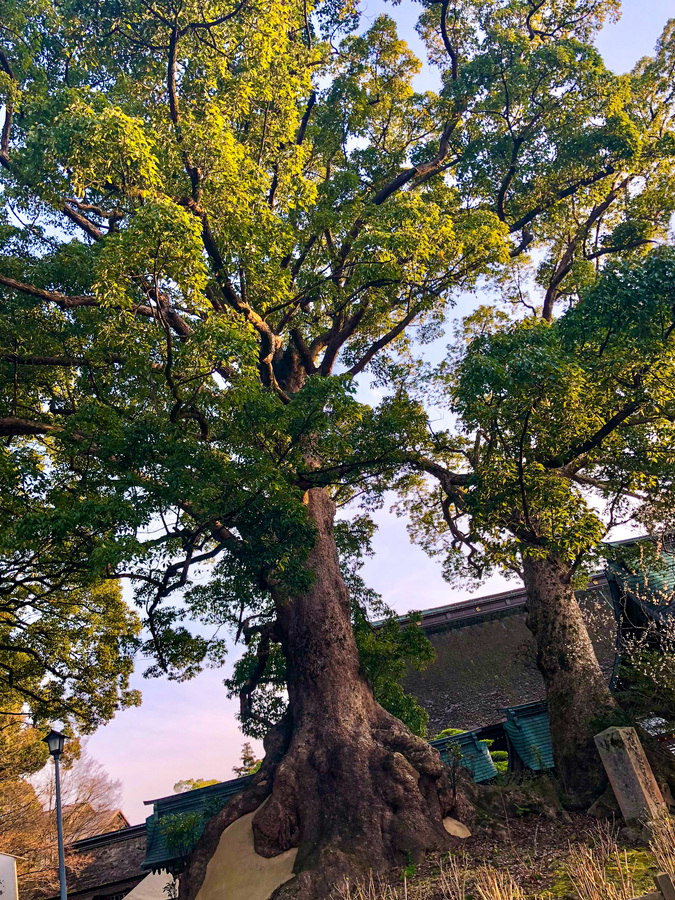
x=494 y=885
x=451 y=880
x=587 y=868
x=377 y=889
x=364 y=890
x=598 y=870
x=662 y=844
x=450 y=883
x=455 y=877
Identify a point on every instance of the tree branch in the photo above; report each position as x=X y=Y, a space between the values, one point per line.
x=171 y=76
x=567 y=260
x=64 y=301
x=421 y=170
x=11 y=426
x=519 y=224
x=269 y=340
x=376 y=346
x=9 y=115
x=595 y=440
x=452 y=53
x=267 y=633
x=83 y=222
x=448 y=480
x=304 y=351
x=605 y=486
x=61 y=300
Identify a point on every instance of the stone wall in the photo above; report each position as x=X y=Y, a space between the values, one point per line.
x=485 y=665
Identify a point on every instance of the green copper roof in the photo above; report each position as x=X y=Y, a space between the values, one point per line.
x=651 y=582
x=528 y=730
x=475 y=754
x=177 y=822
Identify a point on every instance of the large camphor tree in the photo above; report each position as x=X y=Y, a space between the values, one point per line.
x=217 y=215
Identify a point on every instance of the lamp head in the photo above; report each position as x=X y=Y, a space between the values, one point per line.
x=55 y=741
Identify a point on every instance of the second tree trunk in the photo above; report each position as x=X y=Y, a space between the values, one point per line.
x=576 y=691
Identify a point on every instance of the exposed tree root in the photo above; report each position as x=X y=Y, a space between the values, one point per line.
x=359 y=807
x=385 y=814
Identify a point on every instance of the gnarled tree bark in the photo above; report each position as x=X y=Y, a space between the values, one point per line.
x=355 y=790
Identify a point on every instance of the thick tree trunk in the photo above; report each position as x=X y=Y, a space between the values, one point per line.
x=576 y=690
x=355 y=790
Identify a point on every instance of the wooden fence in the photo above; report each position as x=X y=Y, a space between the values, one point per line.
x=665 y=889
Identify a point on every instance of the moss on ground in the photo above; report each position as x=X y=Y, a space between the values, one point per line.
x=639 y=862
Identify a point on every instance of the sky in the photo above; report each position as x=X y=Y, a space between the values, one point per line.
x=189 y=730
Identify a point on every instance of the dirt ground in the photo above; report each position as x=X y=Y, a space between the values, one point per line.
x=533 y=850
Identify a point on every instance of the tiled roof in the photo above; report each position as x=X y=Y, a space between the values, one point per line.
x=481 y=609
x=121 y=835
x=189 y=811
x=528 y=729
x=475 y=754
x=486 y=662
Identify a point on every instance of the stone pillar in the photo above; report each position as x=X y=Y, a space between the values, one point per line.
x=630 y=775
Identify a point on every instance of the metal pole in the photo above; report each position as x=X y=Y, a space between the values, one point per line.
x=59 y=831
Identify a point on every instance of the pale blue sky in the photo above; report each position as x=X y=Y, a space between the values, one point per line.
x=189 y=730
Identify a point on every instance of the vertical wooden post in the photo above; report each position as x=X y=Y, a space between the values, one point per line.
x=665 y=884
x=665 y=889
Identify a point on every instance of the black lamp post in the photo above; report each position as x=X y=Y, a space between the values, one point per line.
x=55 y=741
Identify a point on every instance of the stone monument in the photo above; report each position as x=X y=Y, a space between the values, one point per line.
x=630 y=775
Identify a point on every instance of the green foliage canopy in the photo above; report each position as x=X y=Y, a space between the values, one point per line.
x=570 y=427
x=218 y=215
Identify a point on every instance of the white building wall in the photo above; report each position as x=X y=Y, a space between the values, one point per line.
x=8 y=886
